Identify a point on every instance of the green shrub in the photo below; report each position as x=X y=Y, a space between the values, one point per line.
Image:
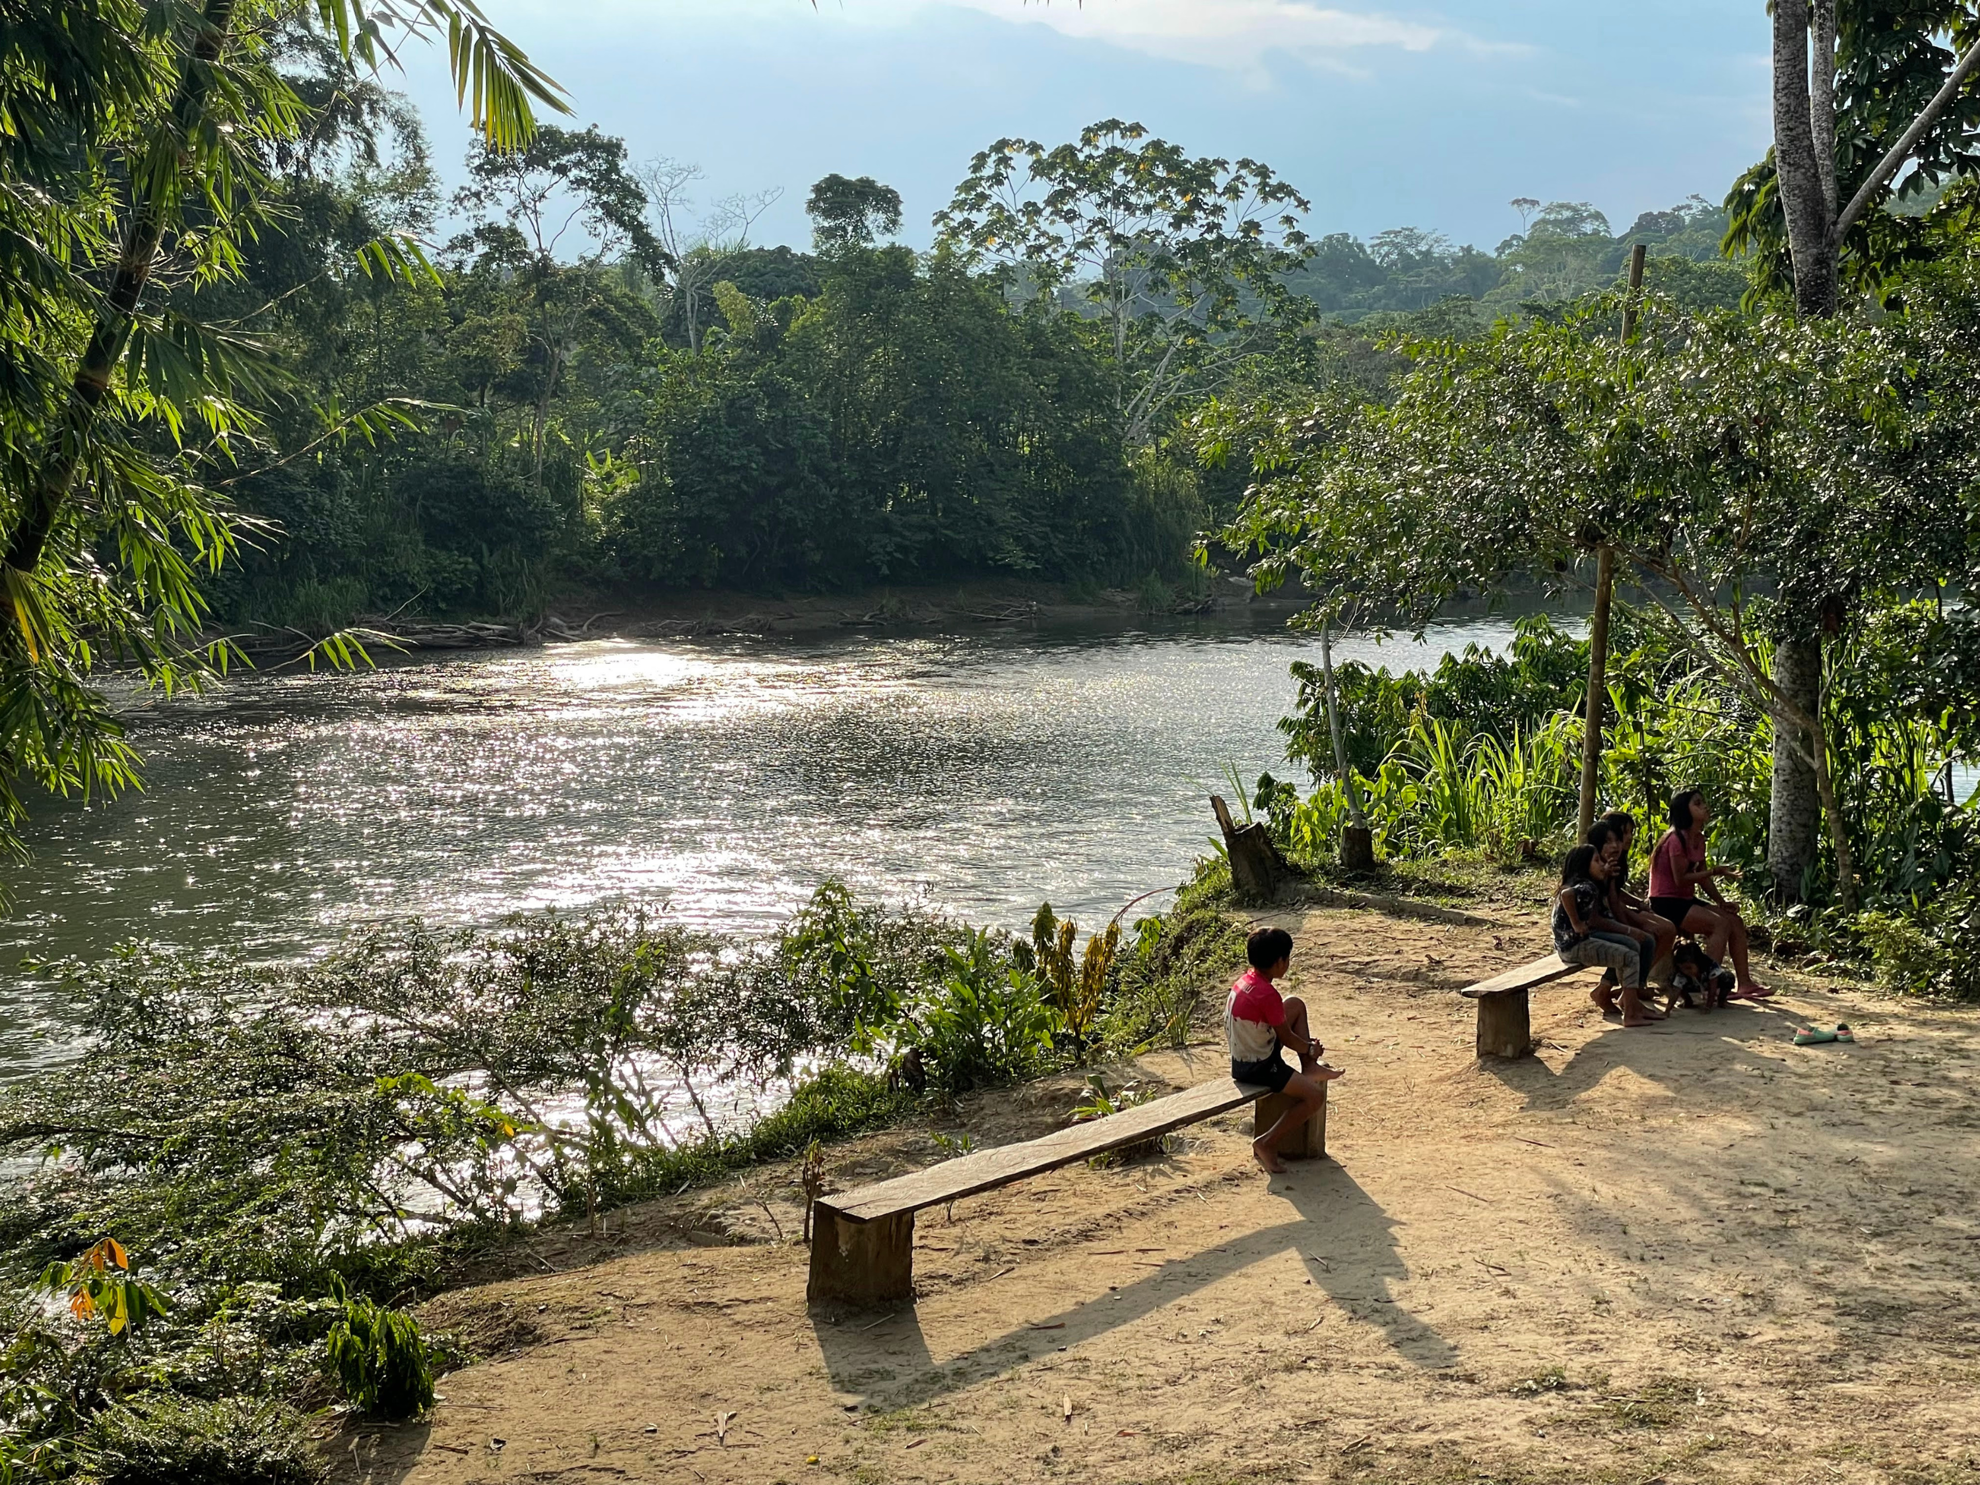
x=1173 y=960
x=987 y=1022
x=1927 y=949
x=381 y=1359
x=168 y=1439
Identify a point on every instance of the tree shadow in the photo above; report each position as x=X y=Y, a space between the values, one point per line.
x=1658 y=1053
x=1344 y=1239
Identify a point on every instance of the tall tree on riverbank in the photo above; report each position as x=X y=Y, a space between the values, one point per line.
x=1178 y=262
x=1861 y=89
x=137 y=157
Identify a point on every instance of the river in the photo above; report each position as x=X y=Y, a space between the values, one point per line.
x=979 y=773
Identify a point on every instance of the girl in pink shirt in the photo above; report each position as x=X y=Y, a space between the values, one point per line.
x=1677 y=870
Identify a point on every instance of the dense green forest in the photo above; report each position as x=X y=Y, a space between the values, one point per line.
x=607 y=387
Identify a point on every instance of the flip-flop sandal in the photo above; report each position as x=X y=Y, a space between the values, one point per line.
x=1811 y=1036
x=1843 y=1033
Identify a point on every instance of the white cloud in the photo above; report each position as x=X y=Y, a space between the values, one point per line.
x=1235 y=34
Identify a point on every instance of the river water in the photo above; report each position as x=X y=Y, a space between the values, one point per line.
x=979 y=773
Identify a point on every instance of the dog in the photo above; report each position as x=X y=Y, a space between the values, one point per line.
x=1696 y=981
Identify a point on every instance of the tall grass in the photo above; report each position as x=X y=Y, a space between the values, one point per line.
x=1446 y=789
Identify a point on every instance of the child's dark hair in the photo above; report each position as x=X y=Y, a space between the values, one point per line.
x=1620 y=822
x=1575 y=868
x=1681 y=808
x=1267 y=946
x=1600 y=834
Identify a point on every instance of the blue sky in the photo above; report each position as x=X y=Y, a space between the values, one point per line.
x=1406 y=115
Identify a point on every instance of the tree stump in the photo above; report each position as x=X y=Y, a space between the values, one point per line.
x=860 y=1263
x=1306 y=1143
x=1357 y=848
x=1255 y=864
x=1505 y=1026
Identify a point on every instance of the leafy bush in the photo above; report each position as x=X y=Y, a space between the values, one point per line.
x=171 y=1439
x=1474 y=693
x=381 y=1359
x=987 y=1022
x=1927 y=950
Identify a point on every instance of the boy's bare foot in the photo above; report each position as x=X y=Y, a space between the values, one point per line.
x=1751 y=992
x=1268 y=1158
x=1322 y=1073
x=1630 y=1023
x=1604 y=998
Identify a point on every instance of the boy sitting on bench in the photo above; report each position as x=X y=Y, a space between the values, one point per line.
x=1257 y=1023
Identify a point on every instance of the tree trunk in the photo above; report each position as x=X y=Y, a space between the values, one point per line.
x=1797 y=167
x=1357 y=840
x=112 y=330
x=1825 y=787
x=1807 y=194
x=1254 y=861
x=1795 y=809
x=1598 y=686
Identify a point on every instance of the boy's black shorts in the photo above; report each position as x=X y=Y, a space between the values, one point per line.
x=1273 y=1072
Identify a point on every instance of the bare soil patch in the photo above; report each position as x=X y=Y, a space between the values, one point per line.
x=1694 y=1252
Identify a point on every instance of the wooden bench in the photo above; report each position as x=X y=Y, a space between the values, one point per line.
x=862 y=1242
x=1505 y=1024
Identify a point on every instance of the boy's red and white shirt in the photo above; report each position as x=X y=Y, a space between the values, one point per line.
x=1253 y=1017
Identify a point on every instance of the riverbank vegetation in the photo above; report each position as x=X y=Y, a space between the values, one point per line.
x=288 y=1157
x=1754 y=477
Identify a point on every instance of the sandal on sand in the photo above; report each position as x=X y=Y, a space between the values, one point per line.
x=1810 y=1036
x=1843 y=1033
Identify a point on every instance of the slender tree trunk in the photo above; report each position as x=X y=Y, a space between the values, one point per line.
x=1795 y=807
x=1825 y=787
x=111 y=332
x=1348 y=780
x=1598 y=687
x=1797 y=167
x=1804 y=133
x=1822 y=107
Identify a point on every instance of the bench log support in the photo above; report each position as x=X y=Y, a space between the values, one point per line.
x=1505 y=1024
x=860 y=1263
x=1505 y=1020
x=1308 y=1143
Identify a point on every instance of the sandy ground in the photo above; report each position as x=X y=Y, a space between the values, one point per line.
x=1688 y=1253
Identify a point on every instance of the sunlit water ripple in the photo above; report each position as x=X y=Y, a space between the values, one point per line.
x=977 y=773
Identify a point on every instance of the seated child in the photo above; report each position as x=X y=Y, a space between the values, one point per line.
x=1615 y=834
x=1257 y=1023
x=1584 y=933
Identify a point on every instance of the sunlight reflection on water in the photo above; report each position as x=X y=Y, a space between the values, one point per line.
x=978 y=773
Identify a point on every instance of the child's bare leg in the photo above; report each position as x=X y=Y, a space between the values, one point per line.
x=1298 y=1036
x=1736 y=943
x=1604 y=993
x=1718 y=934
x=1306 y=1088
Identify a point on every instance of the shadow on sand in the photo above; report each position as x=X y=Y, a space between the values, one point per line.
x=1652 y=1052
x=1343 y=1238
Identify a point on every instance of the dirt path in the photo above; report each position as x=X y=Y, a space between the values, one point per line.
x=1690 y=1253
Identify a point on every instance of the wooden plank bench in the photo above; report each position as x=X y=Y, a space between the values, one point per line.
x=862 y=1242
x=1505 y=1024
